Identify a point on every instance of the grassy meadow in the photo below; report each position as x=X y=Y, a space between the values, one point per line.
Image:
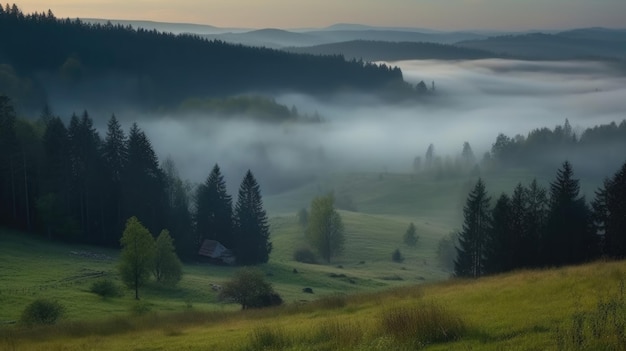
x=362 y=300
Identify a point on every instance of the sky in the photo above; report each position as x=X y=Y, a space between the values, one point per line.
x=433 y=14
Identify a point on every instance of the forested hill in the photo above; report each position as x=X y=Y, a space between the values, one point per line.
x=394 y=51
x=41 y=55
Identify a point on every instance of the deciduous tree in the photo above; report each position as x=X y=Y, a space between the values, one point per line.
x=137 y=256
x=325 y=231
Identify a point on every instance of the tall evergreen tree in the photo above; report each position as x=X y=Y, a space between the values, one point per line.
x=8 y=162
x=499 y=247
x=569 y=238
x=179 y=219
x=252 y=230
x=214 y=210
x=144 y=183
x=473 y=238
x=86 y=176
x=115 y=157
x=610 y=214
x=535 y=218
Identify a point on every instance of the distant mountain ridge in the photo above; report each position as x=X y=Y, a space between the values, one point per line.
x=595 y=43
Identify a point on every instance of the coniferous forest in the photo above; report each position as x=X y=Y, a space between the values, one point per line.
x=70 y=184
x=536 y=227
x=70 y=58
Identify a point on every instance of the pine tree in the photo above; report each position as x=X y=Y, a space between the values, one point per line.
x=499 y=246
x=86 y=175
x=8 y=162
x=473 y=238
x=179 y=214
x=609 y=213
x=252 y=245
x=115 y=157
x=535 y=221
x=569 y=238
x=143 y=181
x=214 y=215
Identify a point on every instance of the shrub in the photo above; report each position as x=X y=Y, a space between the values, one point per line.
x=396 y=256
x=423 y=325
x=42 y=311
x=249 y=288
x=305 y=255
x=105 y=288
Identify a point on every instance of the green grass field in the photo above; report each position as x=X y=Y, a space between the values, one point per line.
x=524 y=310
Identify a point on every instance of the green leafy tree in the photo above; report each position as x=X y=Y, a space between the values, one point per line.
x=475 y=233
x=325 y=231
x=137 y=257
x=251 y=227
x=167 y=267
x=410 y=236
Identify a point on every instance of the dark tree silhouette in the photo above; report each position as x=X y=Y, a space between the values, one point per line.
x=251 y=228
x=475 y=233
x=568 y=237
x=609 y=209
x=214 y=214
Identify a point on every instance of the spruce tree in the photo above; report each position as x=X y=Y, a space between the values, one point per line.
x=610 y=214
x=569 y=238
x=144 y=181
x=535 y=221
x=214 y=210
x=252 y=245
x=473 y=238
x=115 y=155
x=499 y=248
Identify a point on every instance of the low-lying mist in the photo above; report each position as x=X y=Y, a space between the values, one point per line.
x=473 y=101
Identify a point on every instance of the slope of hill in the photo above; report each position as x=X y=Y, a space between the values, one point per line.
x=393 y=51
x=69 y=60
x=572 y=308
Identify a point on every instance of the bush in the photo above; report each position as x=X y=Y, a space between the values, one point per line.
x=396 y=256
x=305 y=255
x=249 y=288
x=105 y=288
x=42 y=311
x=423 y=325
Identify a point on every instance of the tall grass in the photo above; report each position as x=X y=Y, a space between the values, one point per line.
x=422 y=325
x=603 y=328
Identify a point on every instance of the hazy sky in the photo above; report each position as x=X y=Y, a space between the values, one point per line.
x=436 y=14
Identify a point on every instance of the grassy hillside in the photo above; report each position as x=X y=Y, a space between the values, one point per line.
x=557 y=309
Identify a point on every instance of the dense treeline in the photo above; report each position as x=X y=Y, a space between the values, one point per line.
x=535 y=227
x=70 y=183
x=156 y=69
x=595 y=148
